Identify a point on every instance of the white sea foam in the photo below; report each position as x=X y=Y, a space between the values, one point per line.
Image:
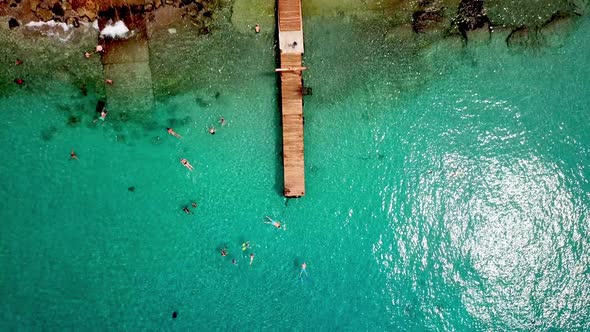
x=49 y=24
x=52 y=29
x=117 y=30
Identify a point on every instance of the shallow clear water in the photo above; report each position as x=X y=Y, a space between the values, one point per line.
x=447 y=189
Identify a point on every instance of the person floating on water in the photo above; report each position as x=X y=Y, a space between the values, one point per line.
x=275 y=223
x=303 y=270
x=108 y=81
x=18 y=62
x=186 y=164
x=257 y=28
x=245 y=245
x=87 y=55
x=251 y=259
x=103 y=115
x=173 y=133
x=73 y=155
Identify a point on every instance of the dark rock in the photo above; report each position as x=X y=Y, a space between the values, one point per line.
x=13 y=23
x=470 y=16
x=423 y=20
x=73 y=21
x=100 y=106
x=57 y=9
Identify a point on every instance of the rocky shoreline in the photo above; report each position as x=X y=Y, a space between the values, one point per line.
x=200 y=13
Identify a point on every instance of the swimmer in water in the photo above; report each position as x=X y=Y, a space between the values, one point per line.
x=18 y=62
x=224 y=252
x=257 y=28
x=173 y=133
x=186 y=210
x=303 y=270
x=211 y=130
x=245 y=245
x=251 y=259
x=103 y=115
x=87 y=55
x=186 y=164
x=222 y=121
x=73 y=155
x=108 y=81
x=275 y=223
x=194 y=204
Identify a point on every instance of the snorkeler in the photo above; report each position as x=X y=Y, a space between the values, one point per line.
x=275 y=223
x=186 y=164
x=245 y=245
x=73 y=155
x=173 y=133
x=222 y=121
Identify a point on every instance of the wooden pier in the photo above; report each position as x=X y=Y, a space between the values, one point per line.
x=291 y=51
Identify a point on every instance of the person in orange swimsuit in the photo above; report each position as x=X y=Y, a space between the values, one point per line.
x=186 y=164
x=173 y=133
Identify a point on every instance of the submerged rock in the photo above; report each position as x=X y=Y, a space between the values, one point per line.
x=558 y=28
x=13 y=23
x=522 y=37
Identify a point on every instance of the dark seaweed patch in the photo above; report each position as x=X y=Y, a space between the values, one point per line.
x=48 y=133
x=203 y=102
x=73 y=120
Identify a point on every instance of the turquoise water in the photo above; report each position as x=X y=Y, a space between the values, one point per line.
x=447 y=189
